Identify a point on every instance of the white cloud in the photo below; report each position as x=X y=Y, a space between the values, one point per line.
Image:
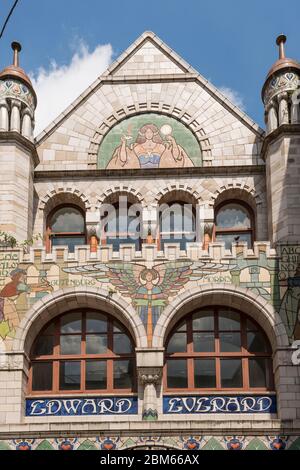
x=234 y=97
x=59 y=86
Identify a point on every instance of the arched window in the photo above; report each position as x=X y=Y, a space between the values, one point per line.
x=234 y=222
x=218 y=349
x=121 y=224
x=66 y=226
x=177 y=224
x=81 y=352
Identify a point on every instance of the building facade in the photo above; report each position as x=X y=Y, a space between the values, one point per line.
x=150 y=274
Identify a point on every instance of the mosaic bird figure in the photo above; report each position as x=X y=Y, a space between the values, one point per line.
x=149 y=287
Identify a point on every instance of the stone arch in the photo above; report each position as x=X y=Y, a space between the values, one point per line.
x=224 y=295
x=236 y=190
x=64 y=195
x=153 y=107
x=178 y=189
x=247 y=194
x=114 y=191
x=70 y=298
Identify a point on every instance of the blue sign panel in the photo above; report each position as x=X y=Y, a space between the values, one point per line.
x=81 y=406
x=219 y=404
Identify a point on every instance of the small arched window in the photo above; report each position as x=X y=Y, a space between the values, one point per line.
x=82 y=352
x=177 y=224
x=234 y=222
x=66 y=226
x=218 y=349
x=121 y=224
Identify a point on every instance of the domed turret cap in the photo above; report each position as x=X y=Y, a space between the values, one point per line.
x=14 y=71
x=283 y=62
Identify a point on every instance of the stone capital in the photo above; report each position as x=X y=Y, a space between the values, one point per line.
x=150 y=375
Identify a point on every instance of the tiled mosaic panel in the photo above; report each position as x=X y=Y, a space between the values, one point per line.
x=167 y=442
x=24 y=283
x=130 y=129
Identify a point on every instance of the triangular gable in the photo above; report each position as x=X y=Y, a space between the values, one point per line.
x=167 y=56
x=149 y=56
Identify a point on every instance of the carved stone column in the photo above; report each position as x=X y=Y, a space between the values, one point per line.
x=27 y=119
x=150 y=378
x=149 y=224
x=208 y=226
x=4 y=116
x=92 y=229
x=208 y=234
x=15 y=118
x=283 y=114
x=272 y=122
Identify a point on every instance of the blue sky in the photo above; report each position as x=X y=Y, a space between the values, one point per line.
x=232 y=43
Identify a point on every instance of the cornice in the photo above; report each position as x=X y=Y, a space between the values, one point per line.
x=12 y=137
x=149 y=173
x=284 y=130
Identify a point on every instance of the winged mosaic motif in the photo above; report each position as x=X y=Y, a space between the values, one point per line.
x=149 y=288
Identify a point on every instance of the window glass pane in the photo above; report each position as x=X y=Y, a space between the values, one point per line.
x=123 y=374
x=67 y=219
x=259 y=375
x=44 y=346
x=69 y=375
x=230 y=342
x=233 y=216
x=70 y=242
x=177 y=373
x=256 y=342
x=204 y=321
x=229 y=321
x=71 y=323
x=177 y=343
x=70 y=344
x=95 y=375
x=122 y=344
x=231 y=373
x=117 y=328
x=96 y=323
x=42 y=376
x=231 y=238
x=96 y=344
x=205 y=373
x=251 y=326
x=204 y=342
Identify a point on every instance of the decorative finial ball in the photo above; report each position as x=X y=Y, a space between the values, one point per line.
x=16 y=46
x=281 y=39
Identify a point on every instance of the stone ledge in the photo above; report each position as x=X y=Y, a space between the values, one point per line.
x=11 y=137
x=42 y=175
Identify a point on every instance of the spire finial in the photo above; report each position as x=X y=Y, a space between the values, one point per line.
x=280 y=41
x=16 y=47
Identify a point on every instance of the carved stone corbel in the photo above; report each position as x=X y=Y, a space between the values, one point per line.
x=150 y=378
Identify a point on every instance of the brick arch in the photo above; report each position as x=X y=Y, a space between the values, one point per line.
x=222 y=295
x=236 y=191
x=153 y=107
x=67 y=299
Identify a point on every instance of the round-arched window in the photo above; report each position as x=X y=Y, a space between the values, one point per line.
x=66 y=226
x=177 y=224
x=234 y=222
x=81 y=352
x=218 y=349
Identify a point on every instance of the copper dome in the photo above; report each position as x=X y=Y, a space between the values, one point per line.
x=283 y=62
x=15 y=71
